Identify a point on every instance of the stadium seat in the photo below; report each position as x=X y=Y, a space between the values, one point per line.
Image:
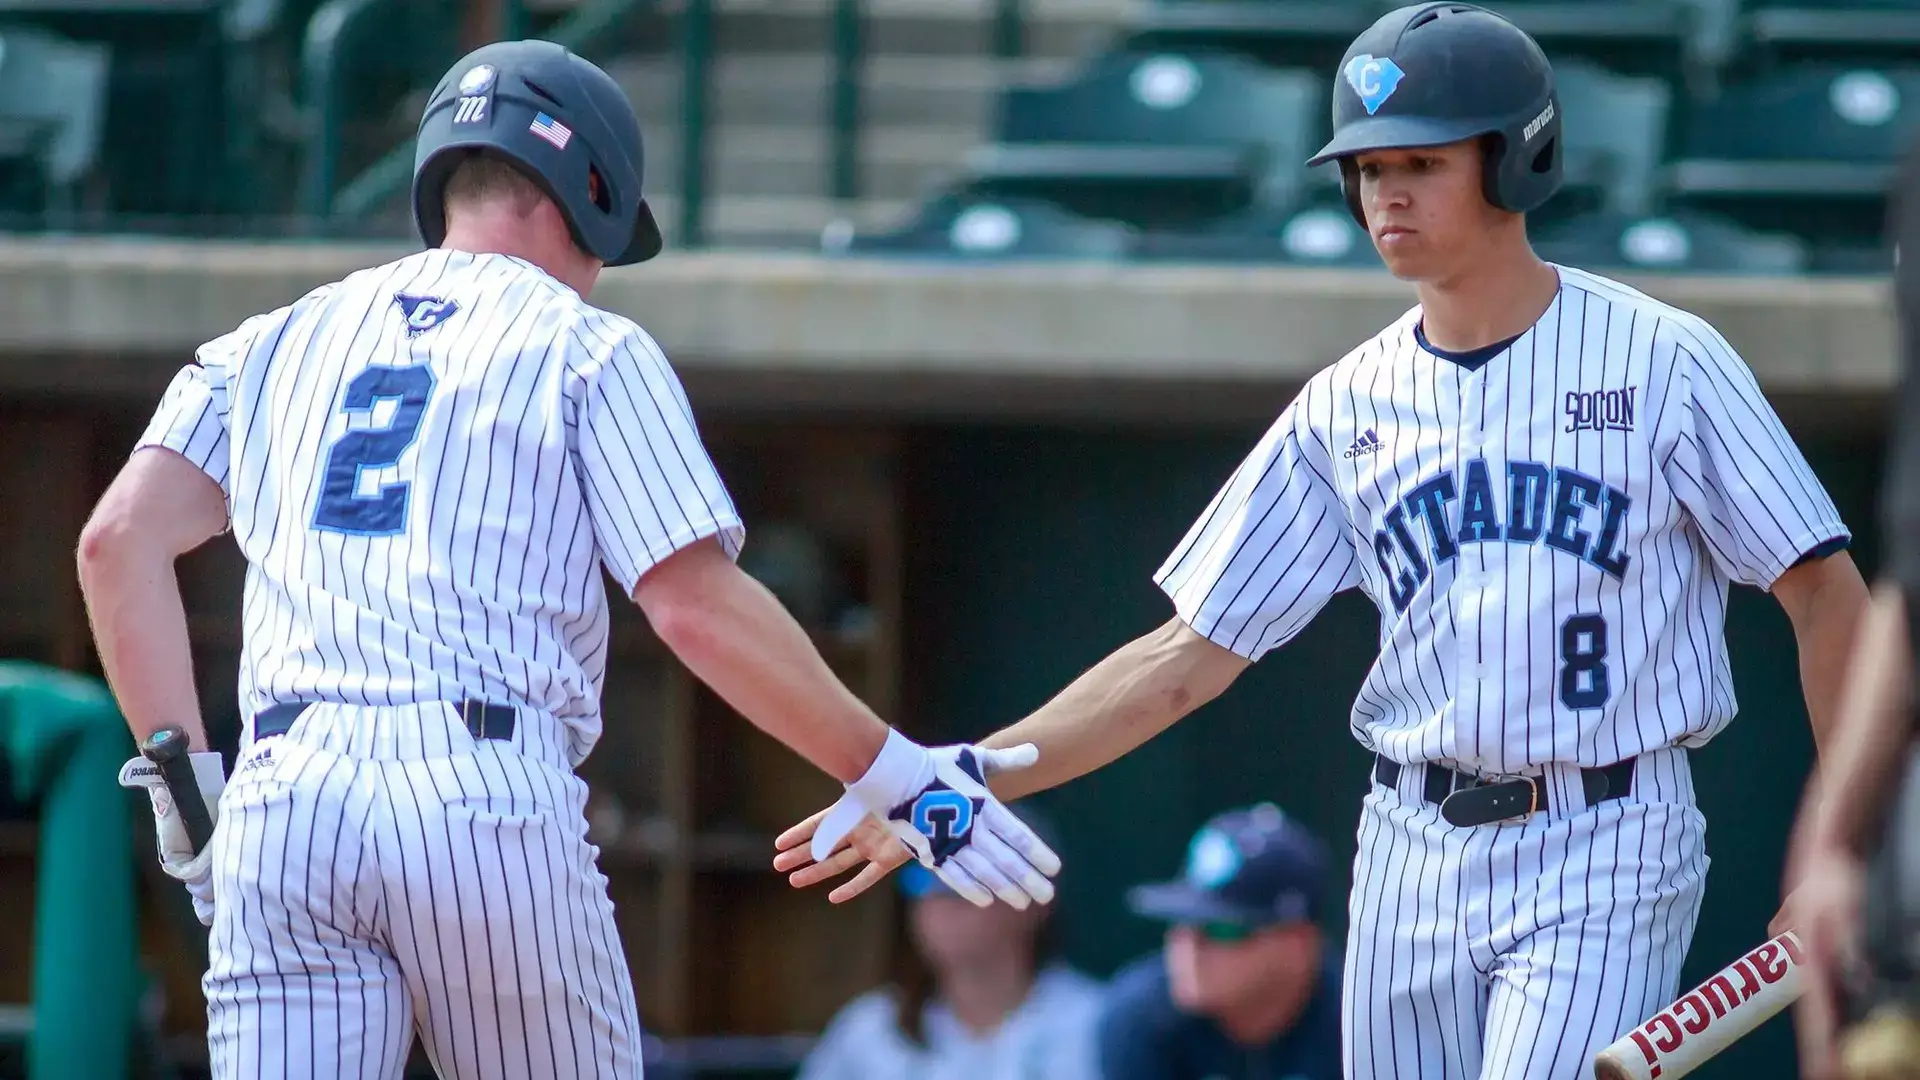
x=1320 y=233
x=165 y=117
x=1861 y=31
x=963 y=225
x=1810 y=150
x=1682 y=242
x=1156 y=139
x=1635 y=37
x=1615 y=136
x=1311 y=34
x=53 y=94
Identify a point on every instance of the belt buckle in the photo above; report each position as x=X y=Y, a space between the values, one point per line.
x=1492 y=801
x=467 y=717
x=1533 y=792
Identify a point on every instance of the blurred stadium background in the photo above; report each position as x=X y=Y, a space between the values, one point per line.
x=979 y=300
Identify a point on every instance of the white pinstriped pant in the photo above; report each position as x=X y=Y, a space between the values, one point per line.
x=379 y=871
x=1519 y=950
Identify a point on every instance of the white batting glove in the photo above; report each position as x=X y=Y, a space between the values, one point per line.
x=937 y=802
x=177 y=857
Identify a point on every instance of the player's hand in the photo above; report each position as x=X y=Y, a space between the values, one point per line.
x=1824 y=912
x=935 y=803
x=177 y=857
x=871 y=846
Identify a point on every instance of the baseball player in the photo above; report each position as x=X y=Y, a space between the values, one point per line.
x=1546 y=482
x=427 y=465
x=1850 y=813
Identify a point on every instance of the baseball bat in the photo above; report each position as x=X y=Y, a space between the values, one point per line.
x=1707 y=1019
x=167 y=749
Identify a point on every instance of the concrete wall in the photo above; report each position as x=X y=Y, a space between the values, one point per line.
x=893 y=338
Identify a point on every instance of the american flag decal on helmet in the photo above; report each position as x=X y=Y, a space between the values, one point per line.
x=551 y=130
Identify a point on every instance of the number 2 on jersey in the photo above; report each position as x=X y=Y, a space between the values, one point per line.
x=1583 y=662
x=341 y=507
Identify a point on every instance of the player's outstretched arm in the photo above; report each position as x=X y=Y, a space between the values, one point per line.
x=1143 y=689
x=160 y=507
x=1139 y=691
x=734 y=635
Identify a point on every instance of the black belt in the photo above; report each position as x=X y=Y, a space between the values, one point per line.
x=1466 y=800
x=484 y=720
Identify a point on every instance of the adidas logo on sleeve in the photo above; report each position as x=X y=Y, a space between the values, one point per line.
x=1367 y=443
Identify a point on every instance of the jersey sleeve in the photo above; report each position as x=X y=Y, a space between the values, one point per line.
x=651 y=487
x=1271 y=548
x=192 y=418
x=190 y=422
x=1738 y=472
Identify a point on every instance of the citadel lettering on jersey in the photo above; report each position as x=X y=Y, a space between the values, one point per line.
x=1533 y=488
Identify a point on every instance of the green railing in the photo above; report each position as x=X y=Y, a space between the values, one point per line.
x=843 y=109
x=323 y=58
x=1009 y=29
x=62 y=739
x=696 y=90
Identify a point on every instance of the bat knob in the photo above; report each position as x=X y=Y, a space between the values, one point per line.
x=165 y=744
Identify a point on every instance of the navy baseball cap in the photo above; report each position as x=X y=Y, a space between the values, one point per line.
x=1251 y=868
x=916 y=881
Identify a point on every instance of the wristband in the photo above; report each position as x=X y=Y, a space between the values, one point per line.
x=894 y=774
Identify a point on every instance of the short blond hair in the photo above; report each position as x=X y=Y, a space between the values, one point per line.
x=482 y=178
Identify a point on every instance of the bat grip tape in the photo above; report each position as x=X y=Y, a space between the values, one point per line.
x=191 y=805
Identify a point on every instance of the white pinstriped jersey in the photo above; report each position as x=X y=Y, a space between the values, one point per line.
x=1549 y=537
x=426 y=465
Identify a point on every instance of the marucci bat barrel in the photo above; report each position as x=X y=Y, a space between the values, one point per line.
x=167 y=749
x=1707 y=1019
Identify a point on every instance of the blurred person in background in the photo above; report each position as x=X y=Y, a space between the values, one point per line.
x=978 y=994
x=1246 y=987
x=1852 y=844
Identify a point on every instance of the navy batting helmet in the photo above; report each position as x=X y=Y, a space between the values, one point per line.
x=563 y=121
x=1437 y=73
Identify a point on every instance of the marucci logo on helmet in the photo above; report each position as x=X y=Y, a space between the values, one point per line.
x=1534 y=125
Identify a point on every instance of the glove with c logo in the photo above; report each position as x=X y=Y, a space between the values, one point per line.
x=936 y=801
